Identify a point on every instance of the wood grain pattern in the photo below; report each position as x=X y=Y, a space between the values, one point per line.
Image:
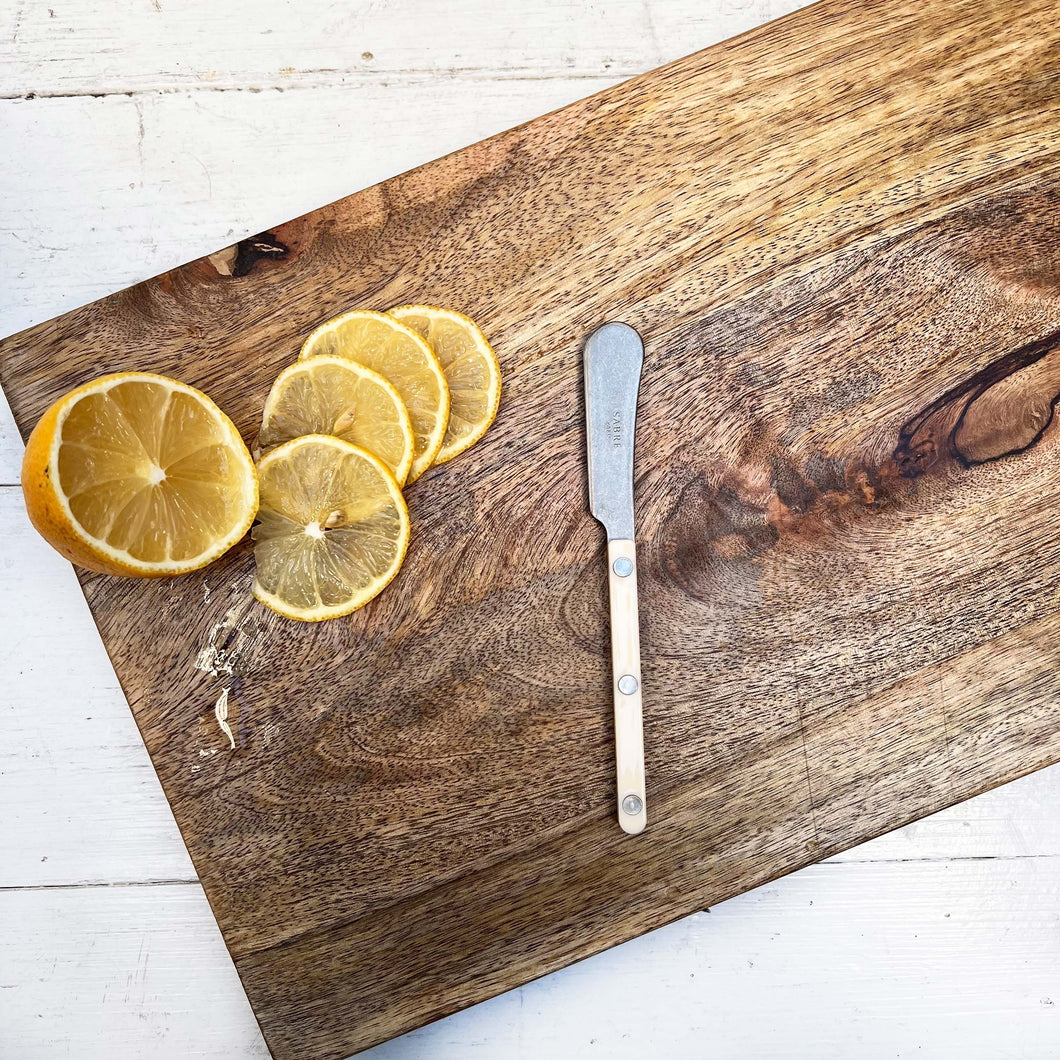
x=837 y=236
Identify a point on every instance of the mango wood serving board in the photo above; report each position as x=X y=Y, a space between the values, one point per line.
x=840 y=239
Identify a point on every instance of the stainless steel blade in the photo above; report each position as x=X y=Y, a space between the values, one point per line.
x=614 y=355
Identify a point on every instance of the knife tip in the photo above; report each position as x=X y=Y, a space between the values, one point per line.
x=615 y=329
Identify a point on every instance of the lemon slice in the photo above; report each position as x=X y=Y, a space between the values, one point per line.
x=331 y=395
x=139 y=475
x=399 y=354
x=470 y=368
x=333 y=528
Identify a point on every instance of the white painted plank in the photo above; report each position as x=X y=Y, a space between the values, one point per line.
x=933 y=960
x=10 y=446
x=129 y=972
x=247 y=44
x=80 y=798
x=109 y=46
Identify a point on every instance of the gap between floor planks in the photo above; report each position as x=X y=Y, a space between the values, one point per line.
x=829 y=865
x=353 y=80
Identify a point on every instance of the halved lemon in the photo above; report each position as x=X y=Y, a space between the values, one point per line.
x=139 y=475
x=471 y=371
x=333 y=528
x=400 y=355
x=336 y=396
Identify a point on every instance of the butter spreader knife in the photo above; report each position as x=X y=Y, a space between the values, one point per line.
x=613 y=356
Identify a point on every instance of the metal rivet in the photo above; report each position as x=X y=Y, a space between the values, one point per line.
x=632 y=804
x=623 y=566
x=627 y=685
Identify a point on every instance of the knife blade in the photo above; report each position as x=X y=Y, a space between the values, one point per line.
x=613 y=358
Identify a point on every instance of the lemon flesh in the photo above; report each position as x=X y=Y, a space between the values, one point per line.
x=333 y=528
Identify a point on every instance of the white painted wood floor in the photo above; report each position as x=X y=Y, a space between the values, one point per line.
x=143 y=133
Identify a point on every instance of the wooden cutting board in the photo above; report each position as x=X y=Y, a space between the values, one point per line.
x=840 y=239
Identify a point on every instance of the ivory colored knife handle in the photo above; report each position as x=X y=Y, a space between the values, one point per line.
x=625 y=683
